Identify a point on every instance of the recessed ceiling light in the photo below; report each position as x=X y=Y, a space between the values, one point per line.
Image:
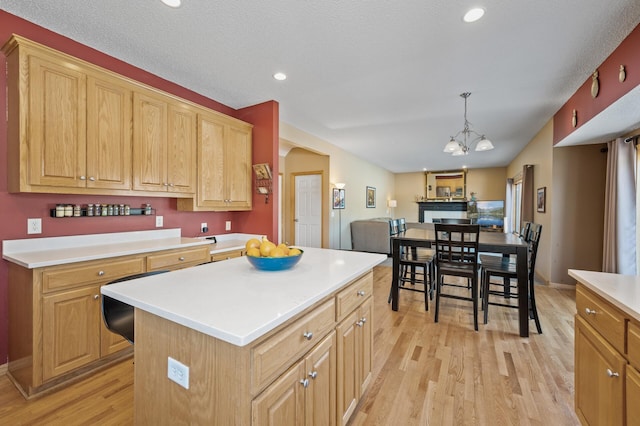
x=280 y=76
x=473 y=15
x=172 y=3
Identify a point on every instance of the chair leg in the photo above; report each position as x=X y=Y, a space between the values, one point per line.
x=438 y=285
x=534 y=310
x=485 y=294
x=474 y=295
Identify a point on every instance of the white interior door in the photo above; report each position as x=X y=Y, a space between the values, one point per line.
x=308 y=210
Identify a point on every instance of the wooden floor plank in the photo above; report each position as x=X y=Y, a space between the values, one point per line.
x=423 y=373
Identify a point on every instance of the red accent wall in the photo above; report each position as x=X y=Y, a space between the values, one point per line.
x=627 y=54
x=16 y=208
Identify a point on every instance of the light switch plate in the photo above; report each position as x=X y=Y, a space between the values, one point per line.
x=227 y=225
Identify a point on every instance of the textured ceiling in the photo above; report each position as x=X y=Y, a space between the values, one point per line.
x=378 y=78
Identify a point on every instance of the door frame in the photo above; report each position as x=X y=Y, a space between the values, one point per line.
x=292 y=203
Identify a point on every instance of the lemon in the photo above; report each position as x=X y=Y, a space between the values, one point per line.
x=252 y=243
x=254 y=252
x=277 y=252
x=266 y=248
x=294 y=252
x=284 y=248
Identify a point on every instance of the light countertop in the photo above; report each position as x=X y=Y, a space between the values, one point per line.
x=622 y=291
x=237 y=303
x=40 y=252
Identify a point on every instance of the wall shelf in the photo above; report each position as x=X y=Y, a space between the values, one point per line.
x=83 y=213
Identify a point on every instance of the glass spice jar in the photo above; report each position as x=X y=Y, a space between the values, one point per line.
x=90 y=210
x=59 y=210
x=68 y=210
x=77 y=211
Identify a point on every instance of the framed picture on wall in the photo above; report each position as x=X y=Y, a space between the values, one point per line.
x=371 y=197
x=541 y=199
x=338 y=198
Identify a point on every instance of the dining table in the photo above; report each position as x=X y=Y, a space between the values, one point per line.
x=492 y=242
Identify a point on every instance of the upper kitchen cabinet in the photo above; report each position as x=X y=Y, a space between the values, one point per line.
x=69 y=127
x=224 y=165
x=164 y=155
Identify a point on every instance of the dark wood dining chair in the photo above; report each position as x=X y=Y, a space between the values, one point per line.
x=402 y=224
x=118 y=316
x=493 y=266
x=457 y=255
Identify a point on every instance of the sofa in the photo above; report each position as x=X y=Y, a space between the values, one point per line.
x=371 y=235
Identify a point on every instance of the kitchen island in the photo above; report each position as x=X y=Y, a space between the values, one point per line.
x=260 y=346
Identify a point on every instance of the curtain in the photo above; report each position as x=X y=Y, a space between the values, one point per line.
x=528 y=195
x=508 y=223
x=619 y=247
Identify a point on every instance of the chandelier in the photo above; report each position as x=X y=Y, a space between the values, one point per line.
x=460 y=144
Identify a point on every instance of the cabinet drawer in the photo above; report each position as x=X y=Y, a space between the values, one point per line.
x=607 y=320
x=89 y=273
x=216 y=257
x=351 y=297
x=633 y=344
x=278 y=353
x=176 y=259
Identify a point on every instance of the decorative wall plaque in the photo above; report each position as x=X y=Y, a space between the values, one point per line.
x=595 y=84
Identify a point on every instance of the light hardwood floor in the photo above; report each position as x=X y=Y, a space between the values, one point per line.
x=424 y=373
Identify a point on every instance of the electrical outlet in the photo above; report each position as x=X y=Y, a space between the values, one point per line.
x=203 y=227
x=34 y=226
x=227 y=226
x=159 y=221
x=178 y=372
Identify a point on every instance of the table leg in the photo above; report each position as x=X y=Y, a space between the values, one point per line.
x=523 y=293
x=395 y=253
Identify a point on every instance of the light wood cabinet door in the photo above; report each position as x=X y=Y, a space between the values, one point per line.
x=70 y=330
x=600 y=372
x=150 y=149
x=165 y=148
x=181 y=149
x=633 y=395
x=282 y=403
x=347 y=372
x=108 y=134
x=365 y=345
x=57 y=123
x=320 y=396
x=211 y=163
x=238 y=167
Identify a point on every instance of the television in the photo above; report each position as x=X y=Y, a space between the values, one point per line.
x=489 y=214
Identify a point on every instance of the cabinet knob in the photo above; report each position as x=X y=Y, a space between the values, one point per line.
x=165 y=184
x=361 y=293
x=307 y=335
x=92 y=178
x=363 y=320
x=171 y=185
x=313 y=374
x=304 y=383
x=359 y=323
x=96 y=296
x=590 y=311
x=83 y=178
x=100 y=273
x=181 y=258
x=612 y=373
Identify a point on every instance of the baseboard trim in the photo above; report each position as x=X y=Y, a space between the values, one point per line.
x=4 y=368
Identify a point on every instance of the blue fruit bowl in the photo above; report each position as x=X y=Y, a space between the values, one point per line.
x=274 y=263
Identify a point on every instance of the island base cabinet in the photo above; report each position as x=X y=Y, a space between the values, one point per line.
x=600 y=373
x=305 y=394
x=633 y=395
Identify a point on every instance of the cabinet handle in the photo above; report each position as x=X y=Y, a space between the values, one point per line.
x=363 y=320
x=83 y=178
x=313 y=374
x=96 y=296
x=171 y=185
x=304 y=383
x=181 y=258
x=165 y=184
x=92 y=179
x=100 y=273
x=590 y=311
x=612 y=373
x=361 y=293
x=359 y=323
x=307 y=335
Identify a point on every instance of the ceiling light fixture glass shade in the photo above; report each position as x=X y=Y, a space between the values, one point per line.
x=172 y=3
x=461 y=143
x=473 y=15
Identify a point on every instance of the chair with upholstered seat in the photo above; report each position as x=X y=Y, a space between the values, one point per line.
x=506 y=270
x=118 y=316
x=457 y=255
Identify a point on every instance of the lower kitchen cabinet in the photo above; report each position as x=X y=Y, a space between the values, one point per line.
x=56 y=330
x=305 y=394
x=217 y=257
